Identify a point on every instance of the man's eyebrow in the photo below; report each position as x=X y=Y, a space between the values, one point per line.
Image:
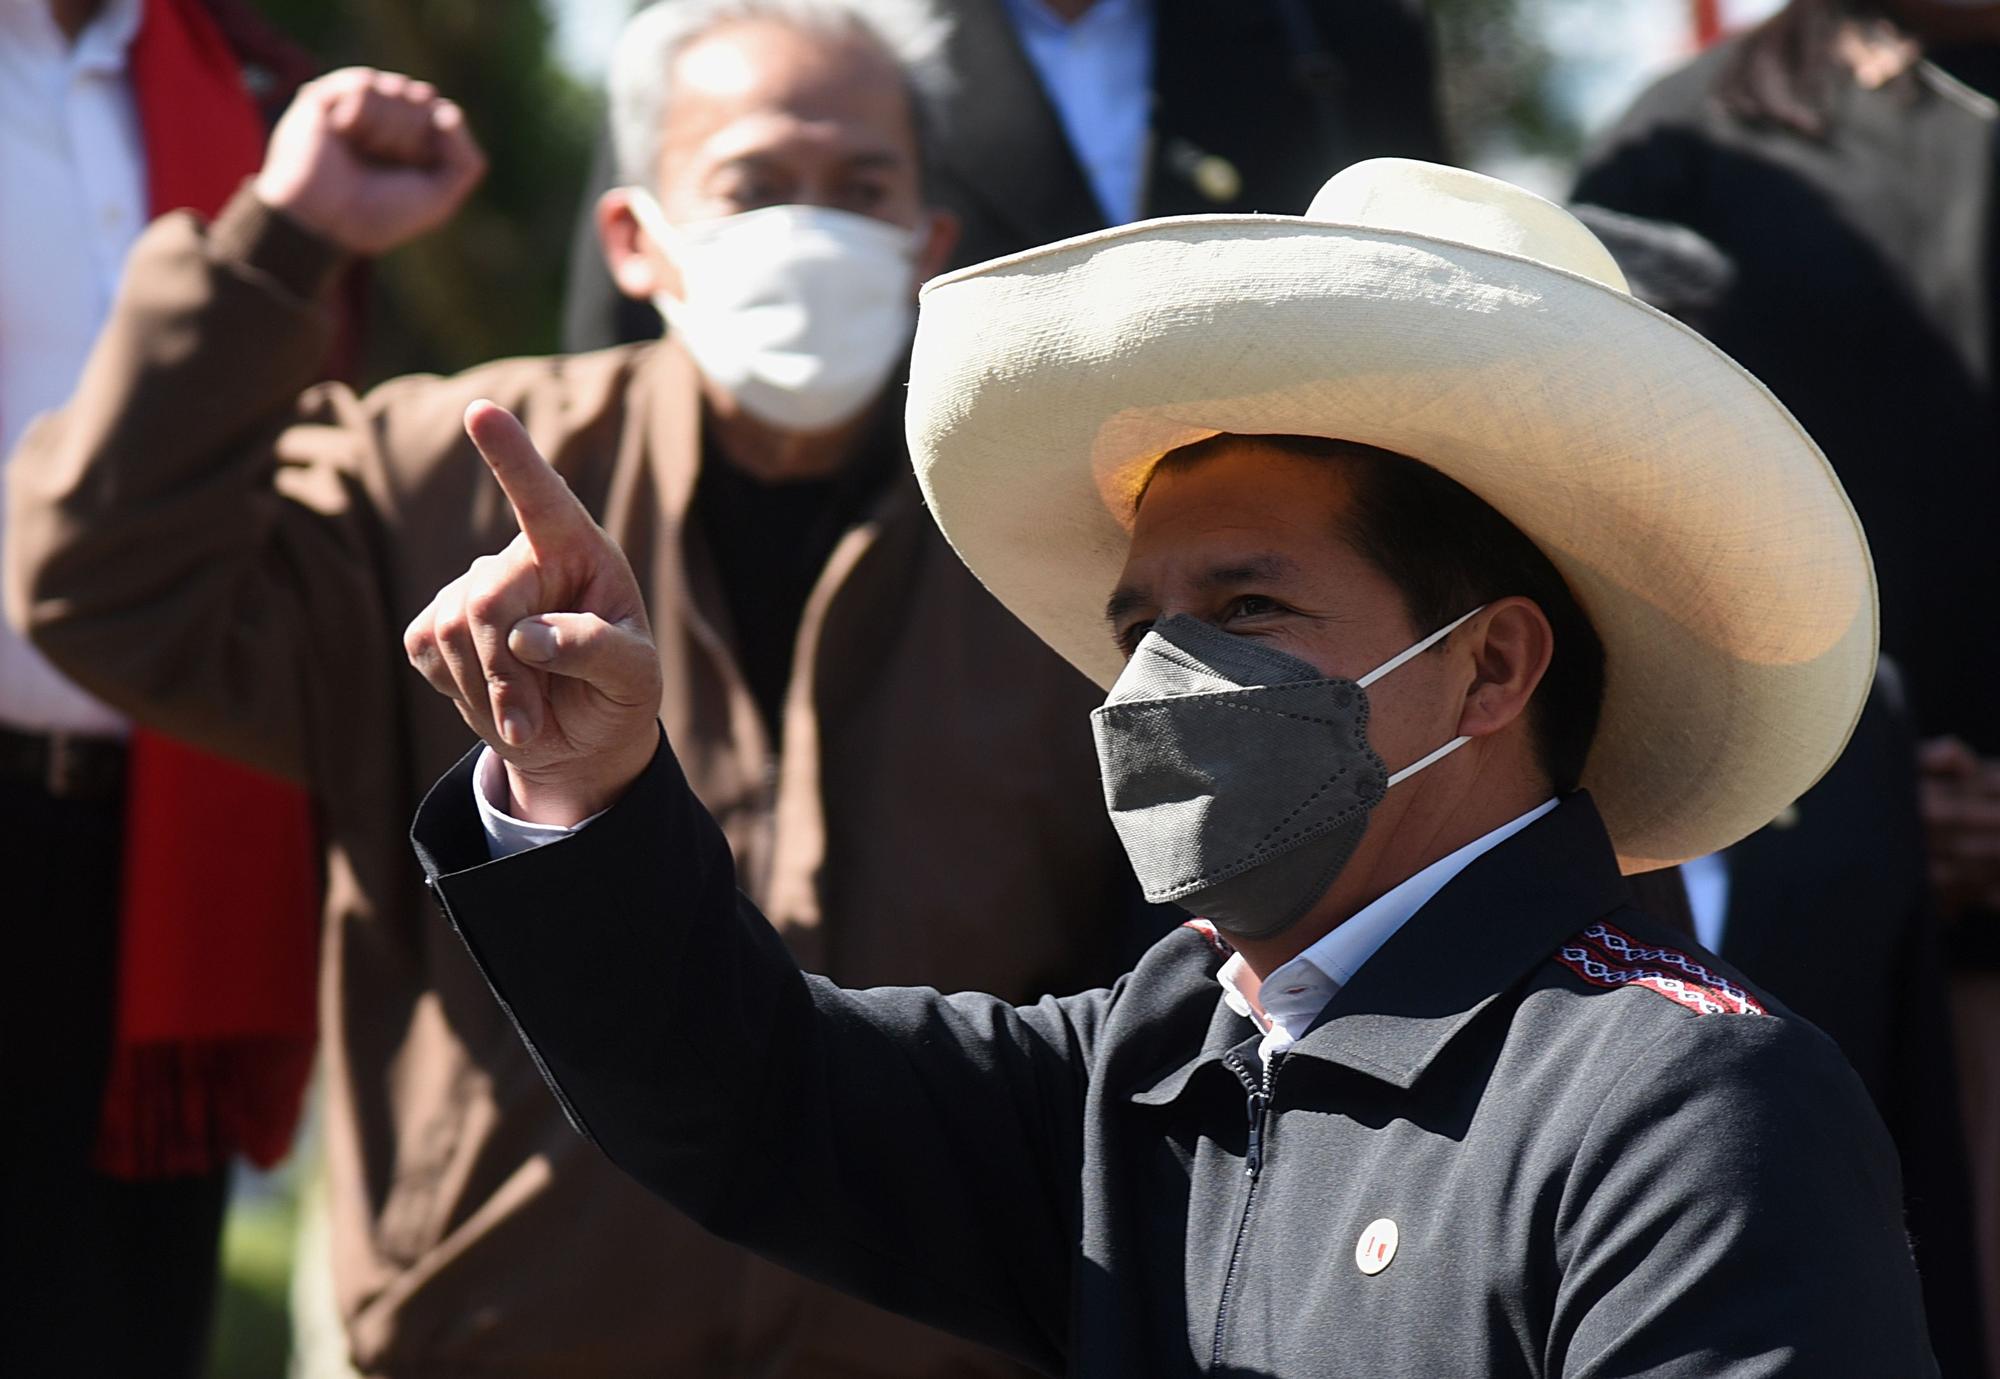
x=1124 y=600
x=1249 y=570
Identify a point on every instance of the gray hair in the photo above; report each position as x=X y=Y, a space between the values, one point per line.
x=909 y=32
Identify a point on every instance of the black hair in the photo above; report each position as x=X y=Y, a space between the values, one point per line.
x=1448 y=552
x=1787 y=71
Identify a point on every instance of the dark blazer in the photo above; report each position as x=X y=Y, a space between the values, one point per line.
x=1256 y=103
x=1604 y=1152
x=1830 y=909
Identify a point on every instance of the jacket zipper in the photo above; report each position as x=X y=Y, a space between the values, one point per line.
x=1258 y=1107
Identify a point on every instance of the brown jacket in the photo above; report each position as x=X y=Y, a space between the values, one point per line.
x=206 y=546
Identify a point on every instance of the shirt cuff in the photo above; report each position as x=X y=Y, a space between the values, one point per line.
x=505 y=834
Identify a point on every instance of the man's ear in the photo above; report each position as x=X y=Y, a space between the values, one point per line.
x=637 y=265
x=942 y=231
x=1511 y=645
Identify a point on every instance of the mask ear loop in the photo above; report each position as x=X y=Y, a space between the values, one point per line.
x=1419 y=649
x=1391 y=664
x=652 y=220
x=1416 y=766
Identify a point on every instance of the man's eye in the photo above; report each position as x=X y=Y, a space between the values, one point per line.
x=1129 y=638
x=863 y=197
x=1251 y=606
x=751 y=191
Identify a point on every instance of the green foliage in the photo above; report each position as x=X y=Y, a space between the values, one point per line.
x=490 y=283
x=253 y=1325
x=1497 y=80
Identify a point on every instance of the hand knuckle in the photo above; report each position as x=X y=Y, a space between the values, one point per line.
x=485 y=605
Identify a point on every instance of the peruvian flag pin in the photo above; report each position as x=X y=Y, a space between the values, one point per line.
x=1376 y=1247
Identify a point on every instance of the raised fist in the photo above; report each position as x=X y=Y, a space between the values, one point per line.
x=369 y=160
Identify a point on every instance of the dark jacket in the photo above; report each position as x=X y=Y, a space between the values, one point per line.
x=1255 y=104
x=1829 y=908
x=1589 y=1176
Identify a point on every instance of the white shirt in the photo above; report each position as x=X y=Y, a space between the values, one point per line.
x=505 y=834
x=1707 y=882
x=72 y=200
x=1098 y=73
x=1294 y=994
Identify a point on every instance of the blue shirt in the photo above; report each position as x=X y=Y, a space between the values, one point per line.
x=1098 y=73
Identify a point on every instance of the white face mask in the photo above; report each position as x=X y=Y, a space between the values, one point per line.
x=799 y=312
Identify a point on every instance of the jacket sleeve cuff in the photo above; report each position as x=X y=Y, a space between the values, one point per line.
x=265 y=240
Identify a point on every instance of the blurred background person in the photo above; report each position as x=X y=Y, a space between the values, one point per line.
x=1841 y=155
x=1065 y=116
x=205 y=536
x=1830 y=904
x=161 y=1015
x=1831 y=907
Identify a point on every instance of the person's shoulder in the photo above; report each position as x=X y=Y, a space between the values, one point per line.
x=1687 y=90
x=1184 y=961
x=1683 y=98
x=575 y=407
x=1661 y=974
x=1673 y=1025
x=1171 y=993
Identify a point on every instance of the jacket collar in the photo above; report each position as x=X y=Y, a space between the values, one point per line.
x=671 y=394
x=670 y=387
x=1489 y=926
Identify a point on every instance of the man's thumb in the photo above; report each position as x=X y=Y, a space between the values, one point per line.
x=615 y=660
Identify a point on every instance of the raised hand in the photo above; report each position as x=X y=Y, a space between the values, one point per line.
x=369 y=160
x=1960 y=797
x=545 y=647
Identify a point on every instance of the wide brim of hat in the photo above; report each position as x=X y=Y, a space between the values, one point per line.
x=1696 y=522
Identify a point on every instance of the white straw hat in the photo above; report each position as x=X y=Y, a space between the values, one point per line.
x=1479 y=328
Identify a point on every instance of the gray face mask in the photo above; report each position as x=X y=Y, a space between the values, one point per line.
x=1240 y=779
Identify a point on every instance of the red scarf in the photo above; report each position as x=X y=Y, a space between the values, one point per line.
x=219 y=921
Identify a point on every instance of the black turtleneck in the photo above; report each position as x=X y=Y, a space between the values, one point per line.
x=770 y=541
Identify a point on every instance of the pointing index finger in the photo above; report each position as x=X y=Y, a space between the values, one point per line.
x=549 y=515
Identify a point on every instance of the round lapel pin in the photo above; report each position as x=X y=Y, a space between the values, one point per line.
x=1376 y=1247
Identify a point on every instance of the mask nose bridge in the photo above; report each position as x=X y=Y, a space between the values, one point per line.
x=1196 y=645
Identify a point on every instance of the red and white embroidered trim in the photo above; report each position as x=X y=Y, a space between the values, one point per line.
x=1206 y=928
x=1605 y=955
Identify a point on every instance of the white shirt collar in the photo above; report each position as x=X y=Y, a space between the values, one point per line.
x=101 y=45
x=105 y=41
x=1296 y=992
